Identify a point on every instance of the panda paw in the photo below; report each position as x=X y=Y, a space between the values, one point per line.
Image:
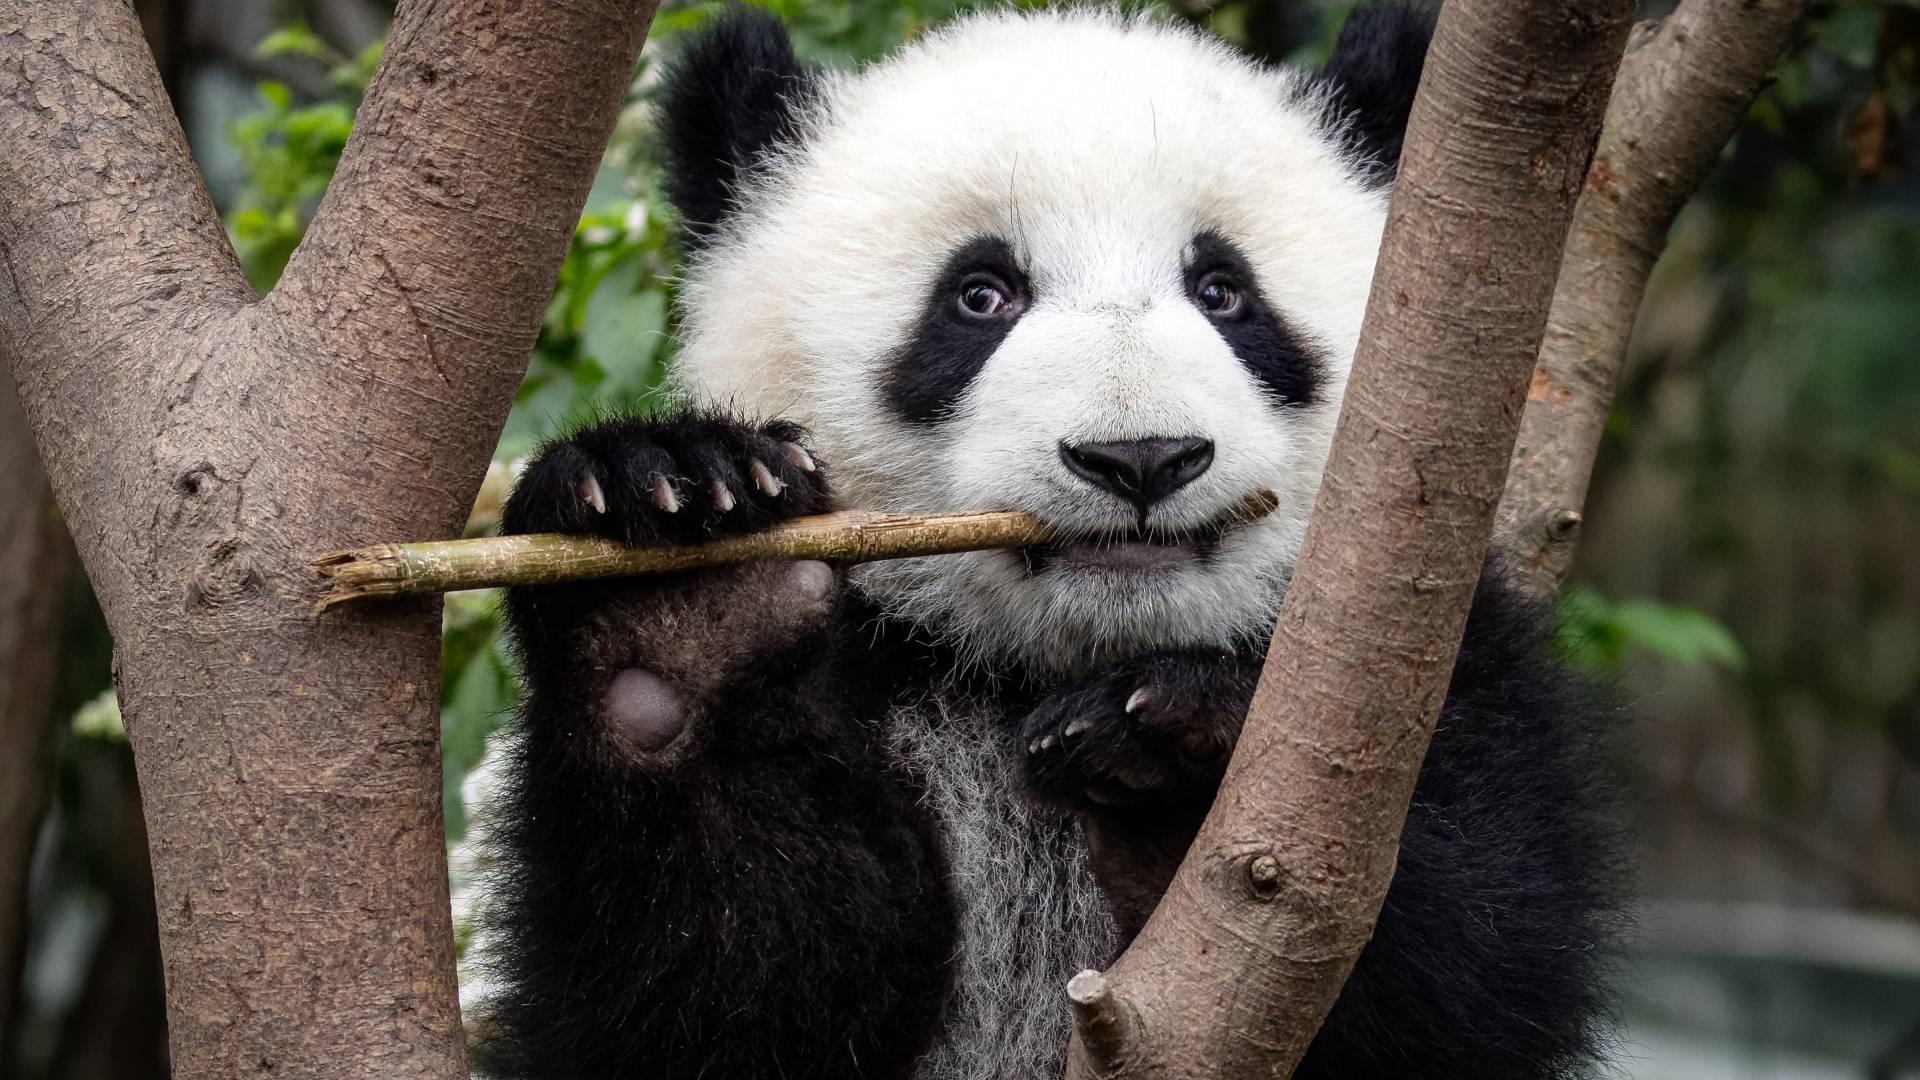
x=670 y=479
x=1147 y=732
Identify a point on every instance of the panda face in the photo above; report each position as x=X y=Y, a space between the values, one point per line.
x=1092 y=267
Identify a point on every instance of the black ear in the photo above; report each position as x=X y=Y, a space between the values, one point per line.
x=729 y=93
x=1373 y=73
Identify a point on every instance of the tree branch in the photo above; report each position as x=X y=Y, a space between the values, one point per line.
x=849 y=536
x=203 y=447
x=1685 y=84
x=1234 y=972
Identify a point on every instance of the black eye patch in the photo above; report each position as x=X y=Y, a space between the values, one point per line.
x=953 y=338
x=1282 y=359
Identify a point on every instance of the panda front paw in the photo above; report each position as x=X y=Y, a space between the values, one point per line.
x=1151 y=731
x=673 y=479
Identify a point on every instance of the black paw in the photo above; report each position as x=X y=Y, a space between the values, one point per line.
x=672 y=479
x=1150 y=731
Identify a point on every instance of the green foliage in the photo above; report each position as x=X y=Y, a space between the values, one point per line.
x=290 y=152
x=99 y=718
x=1599 y=634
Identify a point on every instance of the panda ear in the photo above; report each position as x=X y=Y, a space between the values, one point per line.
x=1372 y=74
x=729 y=93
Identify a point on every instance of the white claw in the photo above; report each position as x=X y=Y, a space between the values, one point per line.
x=764 y=479
x=664 y=496
x=1077 y=727
x=1033 y=747
x=590 y=491
x=722 y=498
x=1048 y=742
x=1141 y=699
x=799 y=456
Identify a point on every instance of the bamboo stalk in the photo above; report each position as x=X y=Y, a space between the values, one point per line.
x=850 y=536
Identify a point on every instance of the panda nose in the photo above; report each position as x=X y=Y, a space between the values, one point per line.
x=1141 y=471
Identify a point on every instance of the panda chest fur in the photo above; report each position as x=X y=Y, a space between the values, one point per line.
x=1029 y=913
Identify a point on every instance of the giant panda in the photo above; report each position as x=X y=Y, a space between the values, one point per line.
x=790 y=820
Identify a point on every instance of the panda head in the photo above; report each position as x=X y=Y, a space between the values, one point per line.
x=1092 y=266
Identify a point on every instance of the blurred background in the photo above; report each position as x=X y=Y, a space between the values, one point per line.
x=1750 y=574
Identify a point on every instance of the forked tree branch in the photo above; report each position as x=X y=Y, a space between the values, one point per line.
x=204 y=446
x=1236 y=969
x=1685 y=84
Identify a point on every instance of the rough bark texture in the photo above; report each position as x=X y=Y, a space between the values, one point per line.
x=35 y=561
x=1237 y=967
x=1684 y=86
x=204 y=446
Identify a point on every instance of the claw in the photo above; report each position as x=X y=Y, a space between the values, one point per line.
x=799 y=456
x=764 y=479
x=1140 y=699
x=722 y=498
x=1076 y=728
x=1033 y=747
x=664 y=496
x=590 y=491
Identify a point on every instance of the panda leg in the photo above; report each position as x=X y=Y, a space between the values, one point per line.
x=703 y=865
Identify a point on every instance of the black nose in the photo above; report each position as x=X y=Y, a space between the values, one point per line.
x=1141 y=471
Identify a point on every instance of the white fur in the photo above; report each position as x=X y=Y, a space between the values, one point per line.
x=1098 y=146
x=1030 y=913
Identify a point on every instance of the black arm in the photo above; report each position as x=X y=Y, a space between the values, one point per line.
x=1489 y=958
x=703 y=865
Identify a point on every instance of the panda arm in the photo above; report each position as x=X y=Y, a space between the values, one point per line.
x=703 y=864
x=1489 y=956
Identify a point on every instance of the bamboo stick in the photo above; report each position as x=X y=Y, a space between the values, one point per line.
x=849 y=536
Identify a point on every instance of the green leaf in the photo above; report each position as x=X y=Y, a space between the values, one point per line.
x=277 y=95
x=100 y=719
x=623 y=326
x=1596 y=634
x=1682 y=634
x=295 y=40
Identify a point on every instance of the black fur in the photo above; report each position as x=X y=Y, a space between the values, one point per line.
x=729 y=94
x=1373 y=73
x=1276 y=354
x=948 y=348
x=1490 y=955
x=766 y=897
x=762 y=897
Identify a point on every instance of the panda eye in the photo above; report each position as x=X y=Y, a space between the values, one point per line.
x=983 y=296
x=1218 y=296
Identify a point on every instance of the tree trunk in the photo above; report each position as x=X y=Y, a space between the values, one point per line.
x=1238 y=966
x=1685 y=84
x=36 y=559
x=204 y=445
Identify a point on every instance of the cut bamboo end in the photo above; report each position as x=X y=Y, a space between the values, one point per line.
x=850 y=536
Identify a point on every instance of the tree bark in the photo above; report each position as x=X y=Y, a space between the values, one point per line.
x=204 y=445
x=1685 y=84
x=1238 y=966
x=36 y=559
